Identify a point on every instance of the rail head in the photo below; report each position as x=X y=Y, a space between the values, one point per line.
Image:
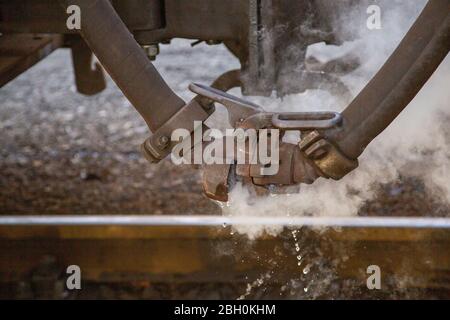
x=218 y=221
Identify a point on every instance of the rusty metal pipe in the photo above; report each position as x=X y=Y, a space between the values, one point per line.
x=125 y=61
x=419 y=54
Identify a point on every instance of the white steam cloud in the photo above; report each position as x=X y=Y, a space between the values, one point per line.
x=418 y=141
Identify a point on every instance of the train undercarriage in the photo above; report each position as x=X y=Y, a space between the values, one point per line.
x=270 y=39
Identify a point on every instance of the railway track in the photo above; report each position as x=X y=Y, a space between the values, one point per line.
x=413 y=253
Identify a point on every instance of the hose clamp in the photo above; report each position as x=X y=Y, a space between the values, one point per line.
x=326 y=156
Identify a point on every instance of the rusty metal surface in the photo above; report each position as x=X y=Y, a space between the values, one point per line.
x=200 y=19
x=251 y=29
x=215 y=181
x=89 y=81
x=303 y=163
x=179 y=254
x=20 y=52
x=127 y=63
x=46 y=16
x=238 y=109
x=159 y=145
x=331 y=162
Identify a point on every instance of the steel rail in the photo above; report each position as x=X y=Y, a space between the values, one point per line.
x=223 y=221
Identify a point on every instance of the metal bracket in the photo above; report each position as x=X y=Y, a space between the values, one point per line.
x=158 y=145
x=328 y=159
x=89 y=81
x=238 y=109
x=305 y=121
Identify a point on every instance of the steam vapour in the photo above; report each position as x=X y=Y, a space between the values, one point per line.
x=417 y=142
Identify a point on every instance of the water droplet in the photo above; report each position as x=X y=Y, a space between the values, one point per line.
x=306 y=269
x=305 y=289
x=224 y=225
